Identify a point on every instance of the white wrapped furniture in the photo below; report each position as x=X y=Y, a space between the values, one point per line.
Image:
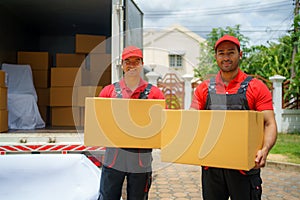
x=23 y=112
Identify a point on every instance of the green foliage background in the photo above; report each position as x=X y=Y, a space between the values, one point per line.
x=265 y=61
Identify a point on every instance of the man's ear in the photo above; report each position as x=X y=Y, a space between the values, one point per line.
x=241 y=54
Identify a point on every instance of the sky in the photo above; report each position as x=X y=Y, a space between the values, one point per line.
x=262 y=21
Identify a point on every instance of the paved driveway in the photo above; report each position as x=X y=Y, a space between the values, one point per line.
x=182 y=182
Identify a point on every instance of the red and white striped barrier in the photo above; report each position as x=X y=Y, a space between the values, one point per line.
x=47 y=148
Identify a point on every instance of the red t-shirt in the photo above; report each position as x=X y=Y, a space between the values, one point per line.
x=258 y=95
x=109 y=91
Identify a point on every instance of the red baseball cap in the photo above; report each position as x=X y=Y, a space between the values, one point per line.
x=131 y=51
x=227 y=38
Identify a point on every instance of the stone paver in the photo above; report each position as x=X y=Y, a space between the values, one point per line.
x=182 y=182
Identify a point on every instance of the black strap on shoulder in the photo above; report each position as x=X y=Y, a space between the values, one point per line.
x=244 y=85
x=118 y=90
x=145 y=93
x=212 y=85
x=242 y=89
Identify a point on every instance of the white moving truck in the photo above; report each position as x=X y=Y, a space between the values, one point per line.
x=51 y=26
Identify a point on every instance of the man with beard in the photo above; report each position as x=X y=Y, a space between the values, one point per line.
x=232 y=89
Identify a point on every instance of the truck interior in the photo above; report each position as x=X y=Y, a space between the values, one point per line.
x=49 y=25
x=52 y=26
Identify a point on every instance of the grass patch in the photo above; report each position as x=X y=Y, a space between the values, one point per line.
x=288 y=145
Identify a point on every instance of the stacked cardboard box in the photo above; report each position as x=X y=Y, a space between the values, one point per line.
x=73 y=77
x=96 y=72
x=63 y=80
x=40 y=65
x=70 y=60
x=81 y=93
x=90 y=43
x=3 y=103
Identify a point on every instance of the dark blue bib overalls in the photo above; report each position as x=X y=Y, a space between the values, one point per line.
x=218 y=183
x=132 y=163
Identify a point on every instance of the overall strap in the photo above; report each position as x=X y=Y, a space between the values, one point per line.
x=244 y=85
x=145 y=93
x=212 y=85
x=118 y=90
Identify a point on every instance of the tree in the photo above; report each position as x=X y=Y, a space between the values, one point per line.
x=266 y=61
x=216 y=33
x=207 y=64
x=294 y=87
x=278 y=59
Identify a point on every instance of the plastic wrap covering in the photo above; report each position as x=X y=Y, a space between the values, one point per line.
x=23 y=112
x=48 y=177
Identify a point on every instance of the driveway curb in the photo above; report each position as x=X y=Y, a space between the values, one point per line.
x=283 y=166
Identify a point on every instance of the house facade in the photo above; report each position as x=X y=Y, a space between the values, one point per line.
x=172 y=50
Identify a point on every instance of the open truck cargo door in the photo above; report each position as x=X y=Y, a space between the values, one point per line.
x=127 y=29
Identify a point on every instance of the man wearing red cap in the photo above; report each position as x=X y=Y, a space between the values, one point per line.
x=134 y=164
x=232 y=89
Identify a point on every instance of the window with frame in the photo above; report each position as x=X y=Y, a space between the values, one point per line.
x=175 y=61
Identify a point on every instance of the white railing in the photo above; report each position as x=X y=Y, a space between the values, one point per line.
x=288 y=120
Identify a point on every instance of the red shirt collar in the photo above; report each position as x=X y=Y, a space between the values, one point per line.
x=237 y=79
x=123 y=84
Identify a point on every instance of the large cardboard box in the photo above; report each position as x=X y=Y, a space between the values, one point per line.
x=70 y=60
x=41 y=78
x=3 y=120
x=65 y=116
x=226 y=139
x=90 y=43
x=131 y=123
x=61 y=96
x=2 y=78
x=3 y=98
x=65 y=76
x=86 y=91
x=37 y=60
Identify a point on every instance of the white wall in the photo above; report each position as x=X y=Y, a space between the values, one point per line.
x=157 y=46
x=290 y=121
